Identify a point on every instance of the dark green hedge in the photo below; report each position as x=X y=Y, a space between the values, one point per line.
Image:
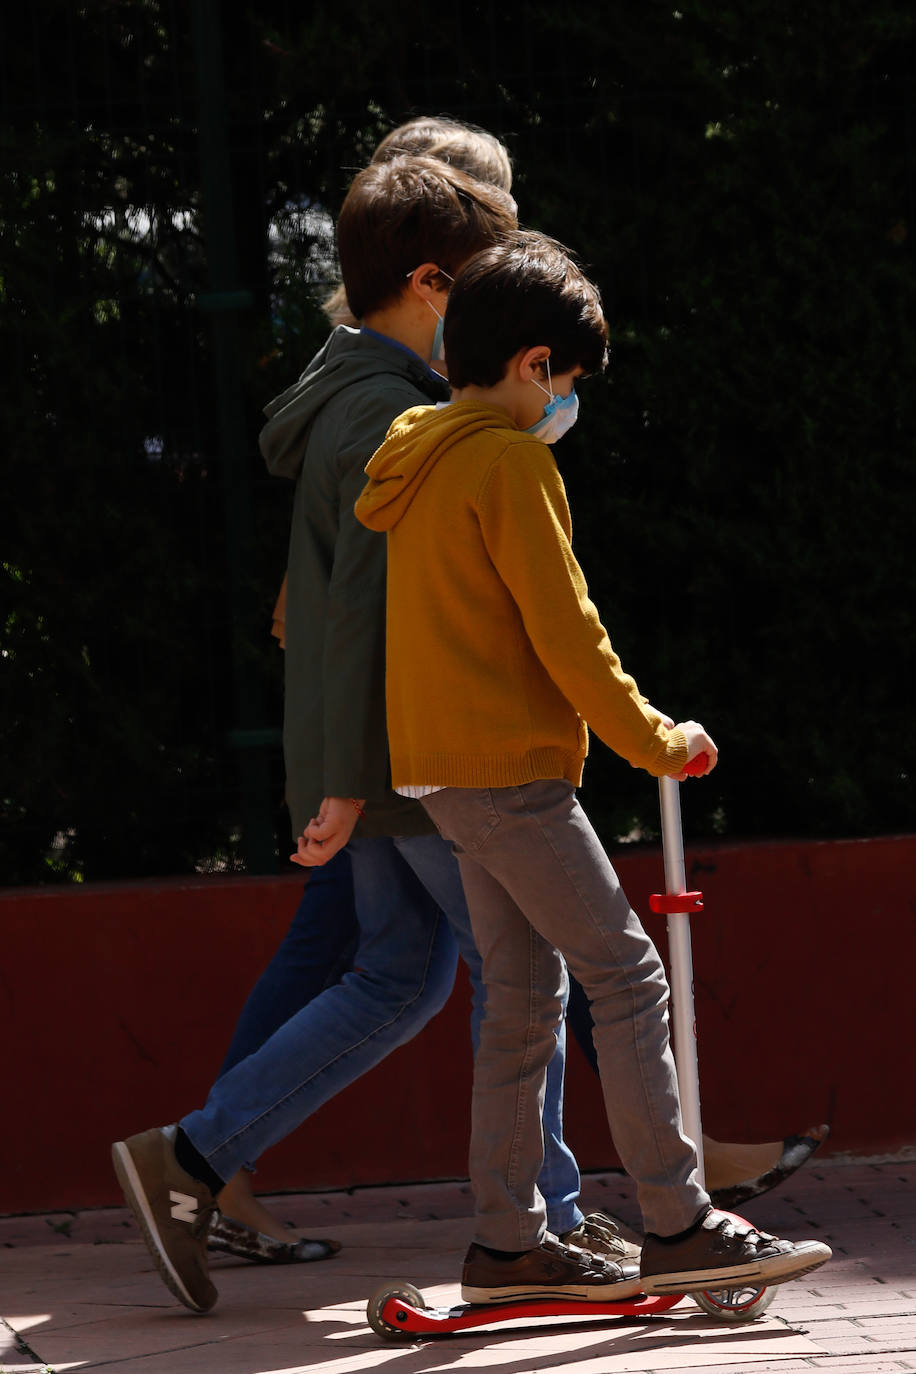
x=740 y=181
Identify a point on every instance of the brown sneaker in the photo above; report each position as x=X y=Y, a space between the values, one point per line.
x=725 y=1248
x=551 y=1271
x=172 y=1210
x=601 y=1234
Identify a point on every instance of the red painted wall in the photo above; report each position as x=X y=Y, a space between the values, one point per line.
x=119 y=1001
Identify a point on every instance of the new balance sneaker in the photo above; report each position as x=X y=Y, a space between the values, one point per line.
x=552 y=1270
x=724 y=1249
x=601 y=1234
x=172 y=1210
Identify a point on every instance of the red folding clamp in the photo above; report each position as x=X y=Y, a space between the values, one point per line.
x=675 y=903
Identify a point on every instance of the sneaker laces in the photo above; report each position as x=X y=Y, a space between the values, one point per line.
x=596 y=1222
x=597 y=1227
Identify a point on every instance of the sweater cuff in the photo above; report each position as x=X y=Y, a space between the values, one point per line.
x=673 y=757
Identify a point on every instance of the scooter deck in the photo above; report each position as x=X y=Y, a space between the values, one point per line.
x=402 y=1318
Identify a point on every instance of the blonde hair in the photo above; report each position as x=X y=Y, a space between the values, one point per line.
x=465 y=146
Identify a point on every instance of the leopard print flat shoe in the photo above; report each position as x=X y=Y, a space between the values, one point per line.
x=230 y=1237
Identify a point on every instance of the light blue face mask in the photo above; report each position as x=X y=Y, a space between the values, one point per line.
x=560 y=413
x=438 y=353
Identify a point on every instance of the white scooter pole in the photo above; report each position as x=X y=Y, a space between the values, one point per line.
x=736 y=1304
x=677 y=904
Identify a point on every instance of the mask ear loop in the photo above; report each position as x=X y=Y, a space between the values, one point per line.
x=547 y=390
x=439 y=270
x=442 y=272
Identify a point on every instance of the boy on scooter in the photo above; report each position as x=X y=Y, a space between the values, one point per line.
x=495 y=660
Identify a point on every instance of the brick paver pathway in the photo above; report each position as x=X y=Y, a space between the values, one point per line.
x=78 y=1292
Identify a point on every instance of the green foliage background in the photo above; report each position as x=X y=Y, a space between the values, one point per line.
x=739 y=179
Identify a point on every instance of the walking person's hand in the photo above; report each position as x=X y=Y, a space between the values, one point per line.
x=328 y=832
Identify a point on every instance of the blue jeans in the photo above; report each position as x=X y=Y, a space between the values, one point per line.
x=314 y=954
x=412 y=922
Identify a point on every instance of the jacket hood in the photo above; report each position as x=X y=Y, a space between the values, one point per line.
x=415 y=443
x=349 y=356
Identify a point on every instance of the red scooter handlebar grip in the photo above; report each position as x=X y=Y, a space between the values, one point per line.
x=696 y=765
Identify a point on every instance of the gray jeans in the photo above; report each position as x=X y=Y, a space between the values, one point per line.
x=537 y=882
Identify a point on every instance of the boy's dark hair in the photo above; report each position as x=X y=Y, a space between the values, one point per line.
x=466 y=146
x=410 y=210
x=524 y=291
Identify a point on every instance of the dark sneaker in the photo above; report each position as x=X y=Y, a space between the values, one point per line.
x=231 y=1237
x=172 y=1210
x=720 y=1251
x=601 y=1235
x=552 y=1270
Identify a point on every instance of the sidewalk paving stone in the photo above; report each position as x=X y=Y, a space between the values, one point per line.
x=79 y=1292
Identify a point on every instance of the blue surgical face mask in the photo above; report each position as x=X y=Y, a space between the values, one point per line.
x=438 y=352
x=560 y=413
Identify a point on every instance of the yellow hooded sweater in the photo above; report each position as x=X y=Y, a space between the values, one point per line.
x=495 y=654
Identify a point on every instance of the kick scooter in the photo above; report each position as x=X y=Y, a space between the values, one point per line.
x=398 y=1312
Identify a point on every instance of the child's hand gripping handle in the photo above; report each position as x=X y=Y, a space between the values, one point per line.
x=702 y=754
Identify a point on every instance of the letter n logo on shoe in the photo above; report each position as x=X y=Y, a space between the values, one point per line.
x=184 y=1207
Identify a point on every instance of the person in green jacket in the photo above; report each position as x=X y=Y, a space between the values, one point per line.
x=405 y=230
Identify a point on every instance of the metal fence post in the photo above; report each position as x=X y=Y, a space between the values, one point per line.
x=226 y=301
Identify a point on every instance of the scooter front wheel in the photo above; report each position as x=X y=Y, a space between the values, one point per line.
x=376 y=1306
x=735 y=1304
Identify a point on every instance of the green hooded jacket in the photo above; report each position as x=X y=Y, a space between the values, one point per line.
x=321 y=433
